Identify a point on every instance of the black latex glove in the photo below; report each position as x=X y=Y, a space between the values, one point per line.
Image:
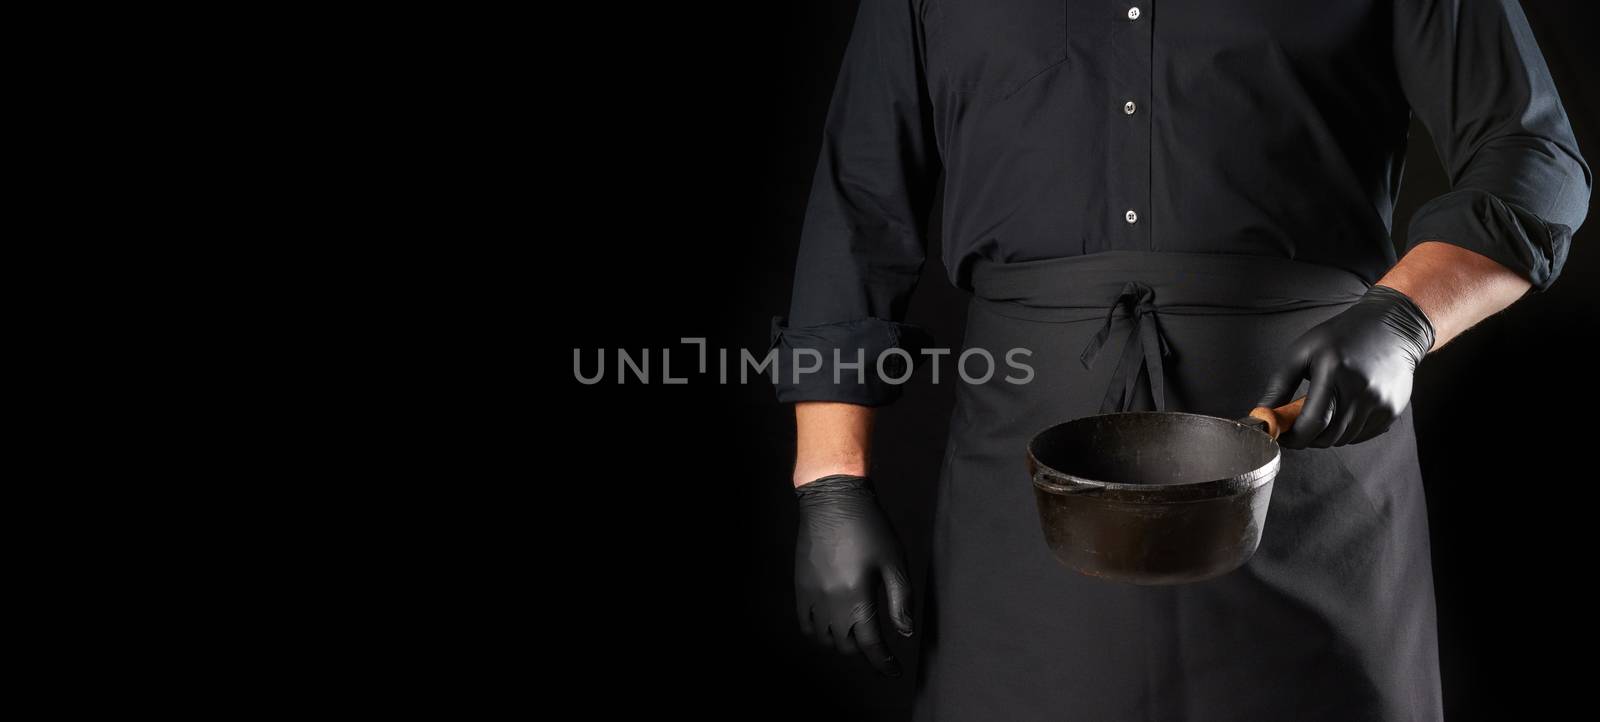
x=1360 y=363
x=845 y=550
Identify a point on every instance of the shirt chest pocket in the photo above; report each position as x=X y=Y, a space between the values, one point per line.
x=992 y=48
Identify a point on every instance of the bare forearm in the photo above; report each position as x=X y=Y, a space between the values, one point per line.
x=1454 y=287
x=831 y=438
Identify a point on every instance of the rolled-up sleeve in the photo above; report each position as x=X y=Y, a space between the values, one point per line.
x=1475 y=77
x=863 y=240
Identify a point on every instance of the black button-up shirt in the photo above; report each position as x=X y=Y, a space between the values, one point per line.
x=1067 y=127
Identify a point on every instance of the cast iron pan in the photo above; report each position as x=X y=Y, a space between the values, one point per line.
x=1157 y=497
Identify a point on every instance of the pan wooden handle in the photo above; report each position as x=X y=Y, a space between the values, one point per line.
x=1280 y=419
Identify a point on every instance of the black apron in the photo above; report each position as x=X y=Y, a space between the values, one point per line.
x=1332 y=619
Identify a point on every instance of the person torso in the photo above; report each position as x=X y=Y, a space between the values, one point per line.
x=1257 y=127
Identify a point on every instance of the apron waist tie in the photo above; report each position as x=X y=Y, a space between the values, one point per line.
x=1143 y=351
x=1075 y=289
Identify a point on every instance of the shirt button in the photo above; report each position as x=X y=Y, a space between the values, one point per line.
x=1131 y=216
x=1133 y=13
x=1129 y=107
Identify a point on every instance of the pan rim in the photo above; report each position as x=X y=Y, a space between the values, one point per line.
x=1044 y=476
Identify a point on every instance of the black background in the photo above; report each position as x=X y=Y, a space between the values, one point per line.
x=687 y=140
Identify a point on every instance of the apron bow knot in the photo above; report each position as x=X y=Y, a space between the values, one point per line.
x=1141 y=354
